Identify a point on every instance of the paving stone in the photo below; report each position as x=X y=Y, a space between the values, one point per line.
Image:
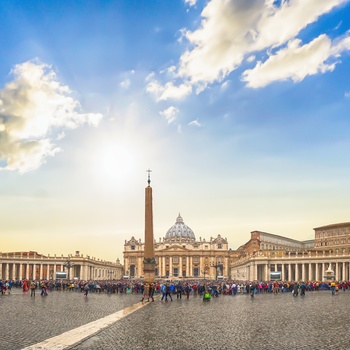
x=317 y=321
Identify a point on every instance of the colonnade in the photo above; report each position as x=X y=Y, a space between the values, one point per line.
x=178 y=266
x=22 y=266
x=292 y=271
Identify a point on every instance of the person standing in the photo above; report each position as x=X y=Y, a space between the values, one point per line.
x=145 y=292
x=86 y=290
x=163 y=290
x=168 y=292
x=178 y=291
x=32 y=289
x=152 y=289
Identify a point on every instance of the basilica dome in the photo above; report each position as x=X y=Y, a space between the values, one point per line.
x=179 y=230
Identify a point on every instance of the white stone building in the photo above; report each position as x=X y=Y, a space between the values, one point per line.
x=31 y=265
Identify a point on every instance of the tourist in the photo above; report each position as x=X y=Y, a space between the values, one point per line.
x=178 y=291
x=163 y=290
x=145 y=292
x=32 y=287
x=168 y=292
x=86 y=289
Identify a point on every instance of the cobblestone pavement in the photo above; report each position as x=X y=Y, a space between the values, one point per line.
x=316 y=321
x=27 y=320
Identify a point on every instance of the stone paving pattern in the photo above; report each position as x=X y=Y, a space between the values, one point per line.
x=316 y=321
x=27 y=320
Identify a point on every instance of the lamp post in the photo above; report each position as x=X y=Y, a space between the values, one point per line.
x=68 y=265
x=216 y=264
x=205 y=270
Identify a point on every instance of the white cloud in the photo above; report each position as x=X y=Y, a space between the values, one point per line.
x=347 y=94
x=190 y=2
x=251 y=58
x=170 y=114
x=61 y=136
x=232 y=31
x=195 y=123
x=168 y=91
x=225 y=85
x=33 y=106
x=125 y=84
x=293 y=62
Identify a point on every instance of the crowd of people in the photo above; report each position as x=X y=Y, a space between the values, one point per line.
x=169 y=289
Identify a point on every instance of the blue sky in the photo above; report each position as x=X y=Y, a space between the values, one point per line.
x=241 y=110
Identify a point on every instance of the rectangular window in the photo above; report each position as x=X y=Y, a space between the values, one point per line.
x=132 y=247
x=195 y=259
x=219 y=246
x=195 y=272
x=175 y=259
x=132 y=260
x=176 y=271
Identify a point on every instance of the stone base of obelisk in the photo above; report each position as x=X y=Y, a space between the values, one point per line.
x=149 y=273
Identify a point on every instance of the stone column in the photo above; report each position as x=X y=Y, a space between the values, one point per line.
x=180 y=266
x=20 y=272
x=41 y=271
x=283 y=274
x=14 y=275
x=296 y=272
x=187 y=266
x=170 y=266
x=323 y=270
x=337 y=271
x=27 y=271
x=289 y=272
x=163 y=266
x=310 y=272
x=303 y=271
x=7 y=268
x=160 y=262
x=317 y=273
x=267 y=272
x=343 y=273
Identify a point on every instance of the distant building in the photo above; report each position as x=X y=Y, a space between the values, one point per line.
x=180 y=255
x=266 y=255
x=32 y=265
x=335 y=237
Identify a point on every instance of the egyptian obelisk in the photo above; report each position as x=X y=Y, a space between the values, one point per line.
x=149 y=261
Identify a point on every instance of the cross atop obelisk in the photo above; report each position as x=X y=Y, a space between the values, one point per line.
x=149 y=261
x=149 y=177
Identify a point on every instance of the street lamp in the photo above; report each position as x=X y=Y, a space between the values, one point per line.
x=217 y=264
x=205 y=270
x=68 y=264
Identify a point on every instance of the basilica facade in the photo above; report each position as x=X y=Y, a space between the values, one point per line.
x=179 y=254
